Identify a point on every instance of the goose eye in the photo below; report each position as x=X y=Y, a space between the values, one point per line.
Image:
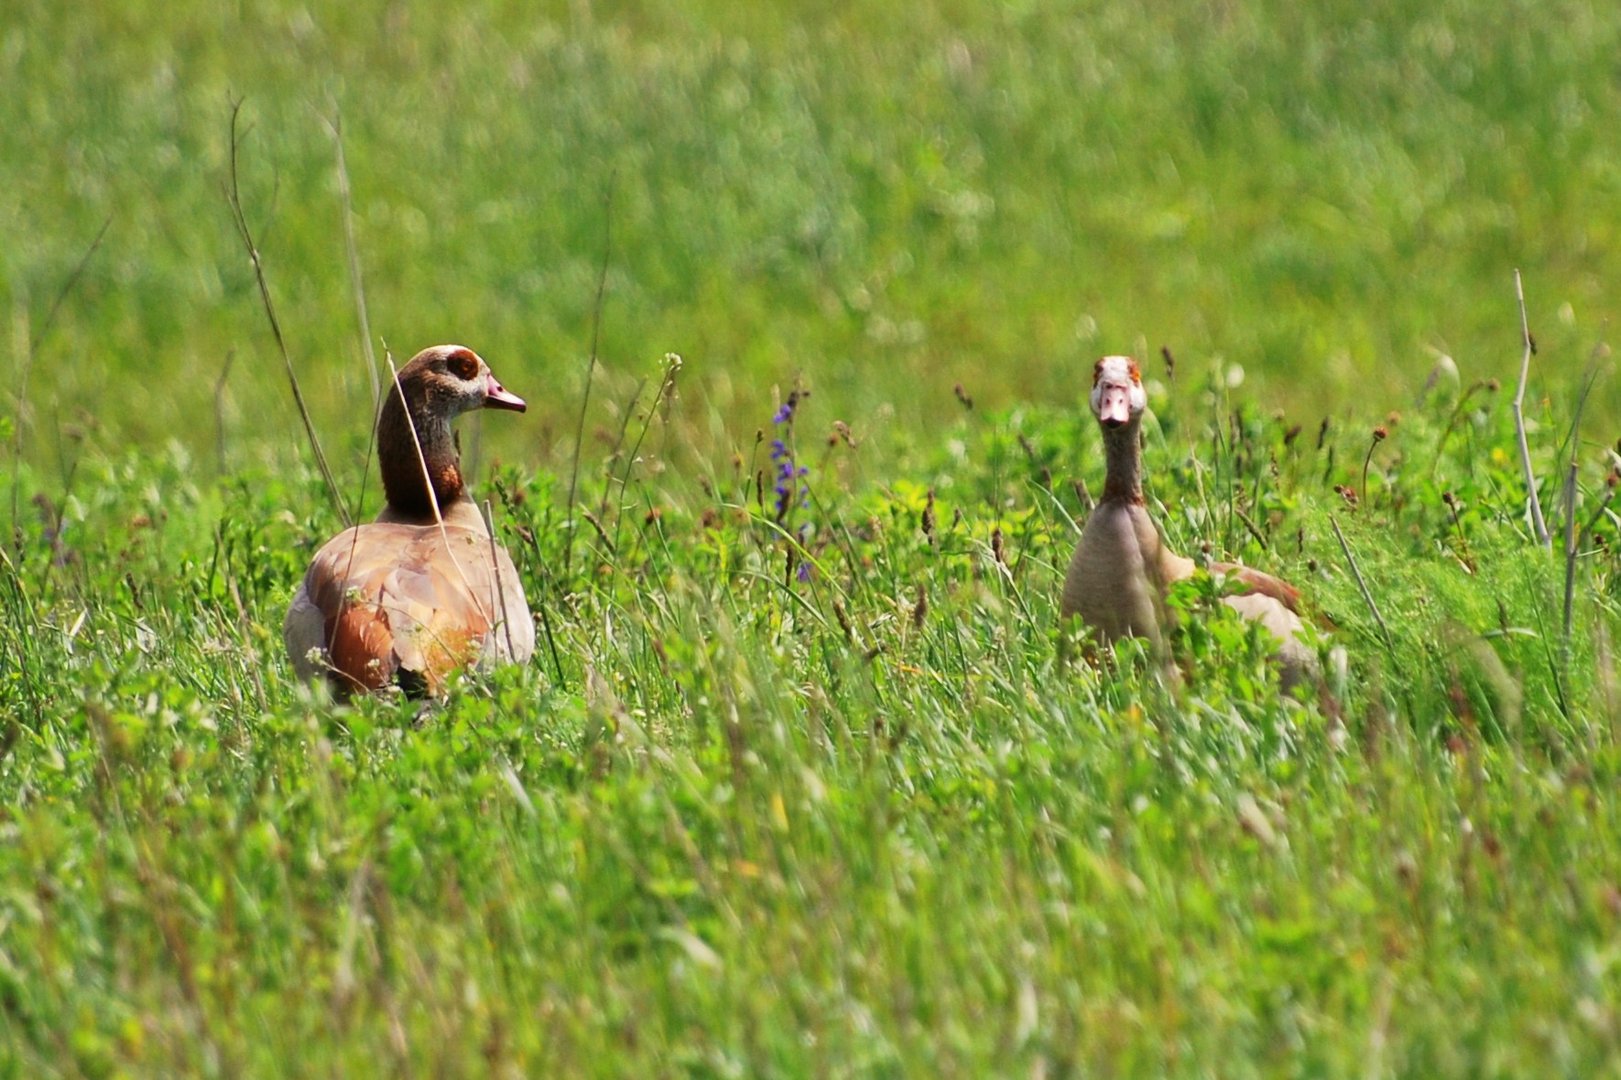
x=463 y=365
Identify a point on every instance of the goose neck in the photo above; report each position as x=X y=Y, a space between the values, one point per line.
x=403 y=468
x=1122 y=448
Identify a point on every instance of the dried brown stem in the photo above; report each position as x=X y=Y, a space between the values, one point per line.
x=1537 y=523
x=26 y=363
x=67 y=286
x=427 y=482
x=590 y=371
x=500 y=586
x=351 y=250
x=233 y=197
x=1572 y=535
x=1362 y=586
x=219 y=409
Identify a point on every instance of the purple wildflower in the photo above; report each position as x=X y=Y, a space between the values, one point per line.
x=785 y=414
x=788 y=475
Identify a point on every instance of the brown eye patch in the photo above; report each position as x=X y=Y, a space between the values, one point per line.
x=462 y=364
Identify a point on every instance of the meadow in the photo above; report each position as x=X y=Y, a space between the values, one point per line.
x=812 y=782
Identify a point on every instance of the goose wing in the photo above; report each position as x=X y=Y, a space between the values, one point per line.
x=389 y=602
x=1254 y=581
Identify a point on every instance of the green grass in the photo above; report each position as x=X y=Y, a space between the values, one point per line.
x=824 y=791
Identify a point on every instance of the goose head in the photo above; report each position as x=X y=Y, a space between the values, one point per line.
x=445 y=381
x=1118 y=399
x=439 y=384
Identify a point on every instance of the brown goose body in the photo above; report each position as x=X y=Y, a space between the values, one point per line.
x=1120 y=572
x=1122 y=567
x=409 y=598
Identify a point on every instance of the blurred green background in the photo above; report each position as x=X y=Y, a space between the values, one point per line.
x=730 y=821
x=879 y=200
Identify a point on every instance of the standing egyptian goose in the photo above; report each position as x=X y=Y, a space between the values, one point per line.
x=424 y=589
x=1122 y=567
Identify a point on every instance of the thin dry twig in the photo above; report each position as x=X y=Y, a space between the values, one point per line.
x=1362 y=586
x=427 y=480
x=528 y=537
x=672 y=367
x=365 y=475
x=500 y=586
x=590 y=371
x=1537 y=522
x=67 y=286
x=1570 y=560
x=628 y=413
x=352 y=254
x=26 y=361
x=24 y=365
x=1252 y=528
x=233 y=197
x=1571 y=533
x=357 y=286
x=219 y=409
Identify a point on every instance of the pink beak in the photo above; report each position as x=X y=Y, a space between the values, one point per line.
x=1114 y=405
x=497 y=396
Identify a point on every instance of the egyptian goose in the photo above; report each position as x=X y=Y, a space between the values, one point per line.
x=1122 y=567
x=424 y=589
